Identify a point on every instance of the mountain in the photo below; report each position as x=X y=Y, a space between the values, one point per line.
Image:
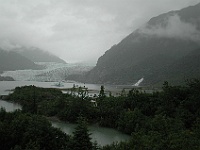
x=155 y=52
x=10 y=60
x=38 y=55
x=185 y=68
x=6 y=78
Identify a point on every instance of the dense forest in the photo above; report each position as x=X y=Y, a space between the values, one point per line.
x=24 y=131
x=169 y=119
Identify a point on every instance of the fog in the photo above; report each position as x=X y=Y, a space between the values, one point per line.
x=81 y=31
x=174 y=27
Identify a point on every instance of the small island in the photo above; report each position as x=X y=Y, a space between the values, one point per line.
x=168 y=118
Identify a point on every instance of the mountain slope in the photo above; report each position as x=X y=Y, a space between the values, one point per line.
x=186 y=67
x=13 y=61
x=150 y=50
x=38 y=55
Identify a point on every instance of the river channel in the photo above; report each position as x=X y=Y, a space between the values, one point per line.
x=103 y=136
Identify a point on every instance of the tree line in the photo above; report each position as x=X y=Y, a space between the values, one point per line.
x=168 y=119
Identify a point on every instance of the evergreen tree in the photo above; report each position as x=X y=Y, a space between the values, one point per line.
x=102 y=94
x=81 y=138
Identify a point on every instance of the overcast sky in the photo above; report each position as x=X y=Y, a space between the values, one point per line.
x=76 y=30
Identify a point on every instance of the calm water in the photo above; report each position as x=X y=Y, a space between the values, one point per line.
x=9 y=106
x=103 y=136
x=6 y=86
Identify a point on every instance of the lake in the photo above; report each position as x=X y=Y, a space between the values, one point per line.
x=102 y=135
x=9 y=106
x=6 y=86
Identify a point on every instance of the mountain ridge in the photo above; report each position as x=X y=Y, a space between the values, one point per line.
x=161 y=42
x=38 y=55
x=10 y=60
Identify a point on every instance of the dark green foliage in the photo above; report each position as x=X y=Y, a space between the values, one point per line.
x=108 y=111
x=26 y=131
x=102 y=93
x=81 y=137
x=76 y=106
x=173 y=125
x=169 y=119
x=118 y=146
x=31 y=98
x=131 y=121
x=51 y=102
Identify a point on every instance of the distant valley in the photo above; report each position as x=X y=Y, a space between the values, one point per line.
x=34 y=64
x=166 y=48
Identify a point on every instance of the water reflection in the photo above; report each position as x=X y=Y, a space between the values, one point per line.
x=9 y=107
x=103 y=136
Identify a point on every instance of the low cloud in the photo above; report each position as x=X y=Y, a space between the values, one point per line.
x=173 y=27
x=76 y=30
x=7 y=45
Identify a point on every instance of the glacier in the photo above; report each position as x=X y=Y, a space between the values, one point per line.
x=52 y=72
